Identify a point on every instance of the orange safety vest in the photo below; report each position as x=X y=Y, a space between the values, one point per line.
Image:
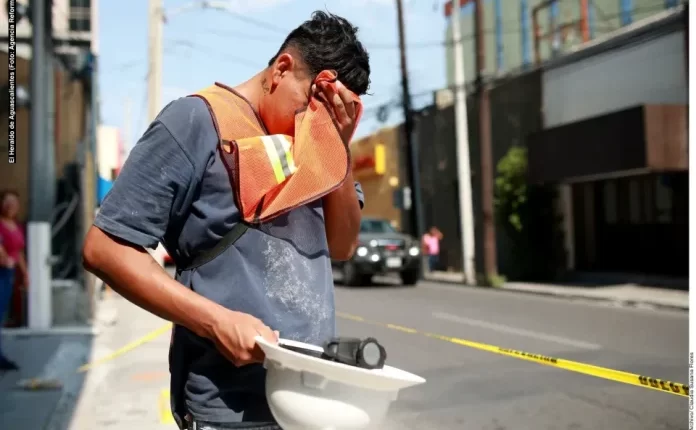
x=274 y=174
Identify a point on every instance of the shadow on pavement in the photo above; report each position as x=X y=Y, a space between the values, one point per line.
x=380 y=282
x=43 y=358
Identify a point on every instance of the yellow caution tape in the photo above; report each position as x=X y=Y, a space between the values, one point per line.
x=573 y=366
x=131 y=346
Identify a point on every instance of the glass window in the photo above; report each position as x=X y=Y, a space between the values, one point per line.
x=376 y=226
x=80 y=3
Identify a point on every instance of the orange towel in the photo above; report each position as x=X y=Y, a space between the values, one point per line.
x=274 y=174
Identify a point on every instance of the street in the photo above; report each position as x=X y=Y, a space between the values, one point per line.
x=466 y=388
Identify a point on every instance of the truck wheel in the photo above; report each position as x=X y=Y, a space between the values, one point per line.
x=410 y=277
x=350 y=274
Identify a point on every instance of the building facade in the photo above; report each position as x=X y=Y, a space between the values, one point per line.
x=510 y=36
x=615 y=139
x=606 y=127
x=376 y=165
x=72 y=118
x=110 y=154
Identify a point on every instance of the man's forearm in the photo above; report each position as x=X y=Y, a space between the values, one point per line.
x=342 y=220
x=133 y=273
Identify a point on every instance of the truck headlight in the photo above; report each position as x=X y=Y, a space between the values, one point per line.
x=361 y=251
x=414 y=251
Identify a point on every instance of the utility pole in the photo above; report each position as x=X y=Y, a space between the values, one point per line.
x=154 y=80
x=489 y=246
x=154 y=70
x=126 y=128
x=413 y=168
x=466 y=212
x=42 y=178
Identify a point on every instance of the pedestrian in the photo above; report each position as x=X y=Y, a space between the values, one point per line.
x=431 y=247
x=275 y=280
x=12 y=260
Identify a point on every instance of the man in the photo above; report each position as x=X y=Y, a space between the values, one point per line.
x=276 y=279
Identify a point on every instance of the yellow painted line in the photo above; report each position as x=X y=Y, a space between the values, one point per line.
x=149 y=376
x=573 y=366
x=131 y=346
x=165 y=413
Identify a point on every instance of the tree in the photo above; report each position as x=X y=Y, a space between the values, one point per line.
x=528 y=217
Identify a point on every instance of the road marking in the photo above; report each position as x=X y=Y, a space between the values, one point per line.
x=165 y=413
x=149 y=376
x=131 y=346
x=573 y=366
x=516 y=331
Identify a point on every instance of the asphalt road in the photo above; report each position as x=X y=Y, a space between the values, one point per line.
x=466 y=388
x=472 y=389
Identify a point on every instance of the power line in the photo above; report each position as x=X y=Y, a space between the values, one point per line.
x=226 y=57
x=256 y=22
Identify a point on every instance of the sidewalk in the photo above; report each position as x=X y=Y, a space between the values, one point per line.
x=44 y=357
x=127 y=386
x=624 y=294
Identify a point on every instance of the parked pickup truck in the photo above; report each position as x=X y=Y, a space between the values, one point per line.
x=381 y=250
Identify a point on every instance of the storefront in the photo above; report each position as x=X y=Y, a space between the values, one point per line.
x=375 y=162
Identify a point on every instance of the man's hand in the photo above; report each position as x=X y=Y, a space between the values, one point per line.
x=133 y=273
x=234 y=335
x=341 y=106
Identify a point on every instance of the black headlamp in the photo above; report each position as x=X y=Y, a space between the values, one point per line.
x=365 y=353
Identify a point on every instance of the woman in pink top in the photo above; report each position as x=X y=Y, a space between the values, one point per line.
x=12 y=261
x=431 y=247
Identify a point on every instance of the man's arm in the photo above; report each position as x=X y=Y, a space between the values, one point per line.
x=153 y=187
x=134 y=216
x=132 y=272
x=342 y=219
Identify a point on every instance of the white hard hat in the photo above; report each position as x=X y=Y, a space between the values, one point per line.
x=309 y=393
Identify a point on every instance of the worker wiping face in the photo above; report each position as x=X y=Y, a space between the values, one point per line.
x=288 y=154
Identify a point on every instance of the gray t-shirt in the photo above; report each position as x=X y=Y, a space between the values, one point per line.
x=174 y=189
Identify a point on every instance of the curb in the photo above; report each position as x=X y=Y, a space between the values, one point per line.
x=625 y=303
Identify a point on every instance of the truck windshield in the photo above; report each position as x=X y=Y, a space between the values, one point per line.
x=376 y=226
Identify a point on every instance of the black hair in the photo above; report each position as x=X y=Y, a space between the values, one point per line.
x=7 y=193
x=4 y=194
x=329 y=42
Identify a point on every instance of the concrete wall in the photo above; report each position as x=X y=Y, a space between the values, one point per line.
x=651 y=72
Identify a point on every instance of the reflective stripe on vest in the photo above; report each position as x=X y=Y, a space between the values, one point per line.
x=273 y=174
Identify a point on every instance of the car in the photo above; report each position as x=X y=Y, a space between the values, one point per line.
x=381 y=250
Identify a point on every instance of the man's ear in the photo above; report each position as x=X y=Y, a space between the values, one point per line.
x=284 y=64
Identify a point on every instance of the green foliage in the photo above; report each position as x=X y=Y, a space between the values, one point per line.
x=511 y=187
x=494 y=281
x=528 y=218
